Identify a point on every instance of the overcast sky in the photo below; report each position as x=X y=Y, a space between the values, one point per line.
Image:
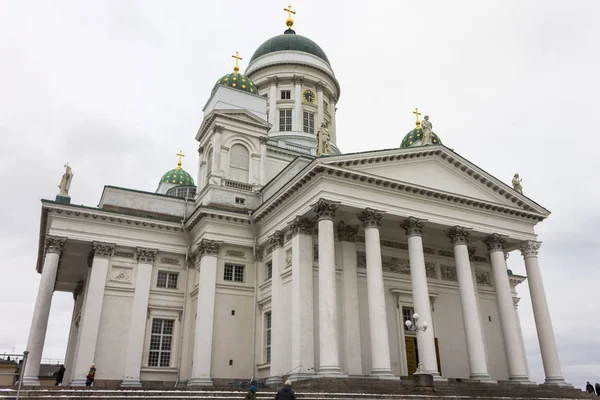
x=116 y=88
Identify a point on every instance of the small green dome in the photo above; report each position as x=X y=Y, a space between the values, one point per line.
x=416 y=135
x=237 y=81
x=290 y=41
x=177 y=176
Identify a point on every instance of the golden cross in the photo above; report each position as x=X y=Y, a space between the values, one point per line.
x=289 y=21
x=417 y=113
x=237 y=58
x=179 y=162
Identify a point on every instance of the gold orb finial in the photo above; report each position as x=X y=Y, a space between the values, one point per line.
x=289 y=21
x=180 y=154
x=417 y=113
x=237 y=58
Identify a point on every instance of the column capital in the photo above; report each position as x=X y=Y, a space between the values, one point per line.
x=200 y=149
x=459 y=235
x=472 y=251
x=258 y=253
x=145 y=255
x=495 y=242
x=325 y=209
x=54 y=244
x=413 y=226
x=218 y=129
x=298 y=80
x=320 y=86
x=530 y=248
x=208 y=247
x=276 y=239
x=101 y=249
x=302 y=226
x=370 y=218
x=263 y=139
x=347 y=233
x=273 y=81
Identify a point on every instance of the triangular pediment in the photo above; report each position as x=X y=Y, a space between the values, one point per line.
x=235 y=115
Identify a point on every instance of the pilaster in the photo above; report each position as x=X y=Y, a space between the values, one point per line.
x=279 y=353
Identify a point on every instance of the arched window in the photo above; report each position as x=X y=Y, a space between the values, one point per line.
x=208 y=165
x=239 y=161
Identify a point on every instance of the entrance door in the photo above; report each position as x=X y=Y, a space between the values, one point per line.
x=412 y=354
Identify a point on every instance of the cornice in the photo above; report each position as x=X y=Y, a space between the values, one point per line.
x=231 y=116
x=203 y=213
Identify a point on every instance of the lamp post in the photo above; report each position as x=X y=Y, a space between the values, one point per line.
x=417 y=328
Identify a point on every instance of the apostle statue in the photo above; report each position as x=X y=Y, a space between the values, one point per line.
x=65 y=182
x=427 y=129
x=323 y=141
x=516 y=182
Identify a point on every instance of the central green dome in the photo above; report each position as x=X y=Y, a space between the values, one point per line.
x=290 y=41
x=177 y=176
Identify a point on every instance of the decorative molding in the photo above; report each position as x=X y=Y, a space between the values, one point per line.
x=471 y=251
x=218 y=129
x=494 y=242
x=101 y=249
x=146 y=256
x=235 y=253
x=298 y=80
x=273 y=80
x=319 y=86
x=315 y=252
x=209 y=247
x=301 y=226
x=448 y=273
x=483 y=278
x=124 y=254
x=530 y=248
x=54 y=244
x=426 y=250
x=459 y=235
x=276 y=239
x=121 y=275
x=78 y=289
x=446 y=253
x=169 y=260
x=263 y=139
x=516 y=301
x=288 y=258
x=258 y=253
x=370 y=218
x=431 y=270
x=480 y=259
x=413 y=226
x=325 y=209
x=347 y=233
x=388 y=263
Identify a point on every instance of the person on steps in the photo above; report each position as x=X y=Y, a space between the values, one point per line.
x=589 y=388
x=90 y=376
x=286 y=392
x=60 y=375
x=251 y=395
x=597 y=389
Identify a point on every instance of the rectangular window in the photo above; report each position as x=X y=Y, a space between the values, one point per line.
x=285 y=120
x=325 y=106
x=160 y=343
x=269 y=270
x=286 y=95
x=407 y=313
x=309 y=122
x=234 y=272
x=268 y=317
x=167 y=280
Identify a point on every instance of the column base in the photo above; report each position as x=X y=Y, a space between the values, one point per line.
x=275 y=380
x=381 y=373
x=483 y=378
x=522 y=380
x=556 y=381
x=204 y=381
x=31 y=381
x=132 y=383
x=437 y=377
x=332 y=371
x=78 y=382
x=301 y=376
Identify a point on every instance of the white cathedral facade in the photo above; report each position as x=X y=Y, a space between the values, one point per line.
x=282 y=262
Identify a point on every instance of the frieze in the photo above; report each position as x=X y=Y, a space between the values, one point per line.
x=235 y=253
x=347 y=233
x=288 y=258
x=325 y=209
x=360 y=239
x=426 y=250
x=124 y=254
x=483 y=278
x=388 y=263
x=479 y=259
x=448 y=273
x=431 y=270
x=370 y=218
x=446 y=253
x=169 y=261
x=121 y=275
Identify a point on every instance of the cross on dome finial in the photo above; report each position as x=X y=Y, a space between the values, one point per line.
x=237 y=58
x=289 y=21
x=417 y=113
x=180 y=154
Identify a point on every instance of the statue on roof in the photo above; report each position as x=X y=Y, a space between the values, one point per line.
x=427 y=129
x=65 y=182
x=323 y=141
x=516 y=183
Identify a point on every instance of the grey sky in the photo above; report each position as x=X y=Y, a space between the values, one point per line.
x=116 y=88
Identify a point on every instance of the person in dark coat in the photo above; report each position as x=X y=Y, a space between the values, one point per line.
x=90 y=376
x=251 y=395
x=589 y=388
x=60 y=375
x=597 y=388
x=286 y=392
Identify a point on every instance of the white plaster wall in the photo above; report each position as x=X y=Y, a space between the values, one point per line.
x=226 y=98
x=297 y=166
x=274 y=167
x=498 y=364
x=150 y=202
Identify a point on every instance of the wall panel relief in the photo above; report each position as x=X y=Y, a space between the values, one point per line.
x=448 y=273
x=483 y=278
x=121 y=274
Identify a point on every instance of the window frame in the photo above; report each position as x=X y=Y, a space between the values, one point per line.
x=233 y=271
x=161 y=335
x=285 y=121
x=285 y=94
x=268 y=270
x=268 y=336
x=308 y=122
x=167 y=280
x=240 y=167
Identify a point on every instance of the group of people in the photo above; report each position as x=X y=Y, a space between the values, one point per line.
x=60 y=375
x=590 y=388
x=285 y=393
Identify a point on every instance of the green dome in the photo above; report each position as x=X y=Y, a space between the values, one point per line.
x=177 y=176
x=290 y=41
x=237 y=81
x=414 y=136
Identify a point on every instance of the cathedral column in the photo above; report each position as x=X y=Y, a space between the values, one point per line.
x=263 y=159
x=320 y=110
x=517 y=370
x=468 y=300
x=217 y=137
x=380 y=343
x=347 y=236
x=200 y=179
x=208 y=250
x=297 y=118
x=303 y=349
x=278 y=350
x=273 y=103
x=53 y=248
x=420 y=293
x=332 y=130
x=92 y=310
x=137 y=323
x=541 y=314
x=328 y=333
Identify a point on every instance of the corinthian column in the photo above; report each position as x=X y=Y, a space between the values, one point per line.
x=273 y=104
x=517 y=369
x=541 y=314
x=420 y=292
x=303 y=349
x=208 y=251
x=380 y=343
x=297 y=118
x=92 y=310
x=217 y=143
x=468 y=300
x=137 y=323
x=328 y=332
x=279 y=354
x=53 y=248
x=263 y=159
